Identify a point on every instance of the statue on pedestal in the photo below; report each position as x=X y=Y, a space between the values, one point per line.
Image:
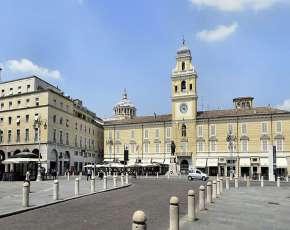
x=173 y=147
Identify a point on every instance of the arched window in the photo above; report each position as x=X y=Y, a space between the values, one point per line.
x=183 y=86
x=183 y=130
x=183 y=66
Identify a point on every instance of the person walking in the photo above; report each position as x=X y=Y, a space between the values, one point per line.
x=89 y=174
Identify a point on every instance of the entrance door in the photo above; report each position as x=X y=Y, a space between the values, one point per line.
x=184 y=167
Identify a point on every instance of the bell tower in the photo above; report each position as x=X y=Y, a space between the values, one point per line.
x=184 y=103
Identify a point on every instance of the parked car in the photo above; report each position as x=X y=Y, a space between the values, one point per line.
x=196 y=174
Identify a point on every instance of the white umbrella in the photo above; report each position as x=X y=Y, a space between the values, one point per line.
x=116 y=165
x=21 y=160
x=89 y=166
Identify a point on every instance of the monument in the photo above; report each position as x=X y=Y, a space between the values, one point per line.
x=173 y=161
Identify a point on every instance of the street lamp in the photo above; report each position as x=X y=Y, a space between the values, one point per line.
x=37 y=125
x=231 y=139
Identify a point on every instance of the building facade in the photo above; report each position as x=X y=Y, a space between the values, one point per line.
x=239 y=139
x=36 y=116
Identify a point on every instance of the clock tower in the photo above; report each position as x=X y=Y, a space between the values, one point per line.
x=184 y=105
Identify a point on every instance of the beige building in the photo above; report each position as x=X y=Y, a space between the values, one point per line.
x=71 y=136
x=239 y=139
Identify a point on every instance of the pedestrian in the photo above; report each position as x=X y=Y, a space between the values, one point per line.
x=89 y=174
x=27 y=176
x=53 y=173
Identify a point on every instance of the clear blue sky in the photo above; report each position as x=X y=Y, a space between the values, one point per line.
x=98 y=48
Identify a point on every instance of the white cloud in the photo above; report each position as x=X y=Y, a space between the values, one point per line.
x=219 y=33
x=285 y=105
x=238 y=5
x=25 y=66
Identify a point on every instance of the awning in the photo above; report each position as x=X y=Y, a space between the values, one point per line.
x=21 y=160
x=212 y=162
x=264 y=162
x=245 y=162
x=281 y=162
x=200 y=163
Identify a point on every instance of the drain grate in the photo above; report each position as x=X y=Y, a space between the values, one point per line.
x=274 y=203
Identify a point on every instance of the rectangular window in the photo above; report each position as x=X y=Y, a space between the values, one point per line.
x=132 y=148
x=26 y=118
x=26 y=135
x=67 y=138
x=279 y=126
x=279 y=144
x=200 y=131
x=168 y=132
x=244 y=144
x=36 y=135
x=146 y=147
x=18 y=135
x=18 y=120
x=200 y=146
x=132 y=134
x=146 y=134
x=168 y=148
x=117 y=134
x=54 y=135
x=157 y=133
x=157 y=148
x=212 y=130
x=244 y=129
x=9 y=120
x=1 y=136
x=10 y=104
x=9 y=136
x=264 y=145
x=264 y=127
x=110 y=134
x=60 y=137
x=213 y=146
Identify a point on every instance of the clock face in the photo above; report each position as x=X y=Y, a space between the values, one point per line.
x=183 y=108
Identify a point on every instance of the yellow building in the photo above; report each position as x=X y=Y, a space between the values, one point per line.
x=33 y=111
x=239 y=139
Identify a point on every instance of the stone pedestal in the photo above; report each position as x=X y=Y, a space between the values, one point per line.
x=173 y=171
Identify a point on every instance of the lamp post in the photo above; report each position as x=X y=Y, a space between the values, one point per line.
x=231 y=139
x=37 y=125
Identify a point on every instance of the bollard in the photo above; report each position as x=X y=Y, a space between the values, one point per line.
x=231 y=176
x=259 y=177
x=248 y=182
x=245 y=177
x=262 y=181
x=168 y=176
x=139 y=221
x=122 y=179
x=80 y=175
x=174 y=214
x=278 y=182
x=127 y=179
x=236 y=182
x=217 y=177
x=287 y=179
x=68 y=176
x=209 y=192
x=115 y=181
x=227 y=183
x=55 y=190
x=93 y=185
x=221 y=186
x=201 y=198
x=105 y=183
x=146 y=174
x=77 y=186
x=191 y=205
x=25 y=195
x=213 y=190
x=218 y=193
x=157 y=175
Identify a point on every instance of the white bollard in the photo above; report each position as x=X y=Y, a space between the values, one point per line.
x=227 y=183
x=221 y=185
x=245 y=177
x=236 y=182
x=248 y=182
x=287 y=179
x=217 y=177
x=213 y=190
x=93 y=185
x=174 y=213
x=105 y=182
x=157 y=175
x=25 y=195
x=259 y=177
x=77 y=186
x=209 y=192
x=231 y=176
x=191 y=209
x=115 y=181
x=122 y=179
x=55 y=190
x=146 y=174
x=262 y=182
x=278 y=182
x=201 y=198
x=127 y=179
x=80 y=175
x=68 y=176
x=218 y=193
x=139 y=221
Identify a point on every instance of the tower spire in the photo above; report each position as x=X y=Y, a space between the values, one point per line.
x=183 y=41
x=125 y=96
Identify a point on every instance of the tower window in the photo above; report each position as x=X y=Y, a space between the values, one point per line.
x=183 y=130
x=175 y=88
x=190 y=87
x=183 y=65
x=183 y=85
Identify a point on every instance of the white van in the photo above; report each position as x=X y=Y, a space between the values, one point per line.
x=196 y=174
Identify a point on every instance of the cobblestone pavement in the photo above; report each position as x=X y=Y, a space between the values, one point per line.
x=41 y=192
x=247 y=208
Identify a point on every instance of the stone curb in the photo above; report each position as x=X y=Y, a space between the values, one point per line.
x=59 y=201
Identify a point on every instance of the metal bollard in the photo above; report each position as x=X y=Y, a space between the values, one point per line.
x=25 y=195
x=77 y=186
x=262 y=181
x=105 y=183
x=93 y=185
x=218 y=193
x=209 y=192
x=227 y=183
x=122 y=179
x=191 y=209
x=115 y=181
x=55 y=190
x=201 y=198
x=127 y=179
x=174 y=213
x=221 y=186
x=139 y=221
x=236 y=182
x=248 y=182
x=278 y=182
x=213 y=190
